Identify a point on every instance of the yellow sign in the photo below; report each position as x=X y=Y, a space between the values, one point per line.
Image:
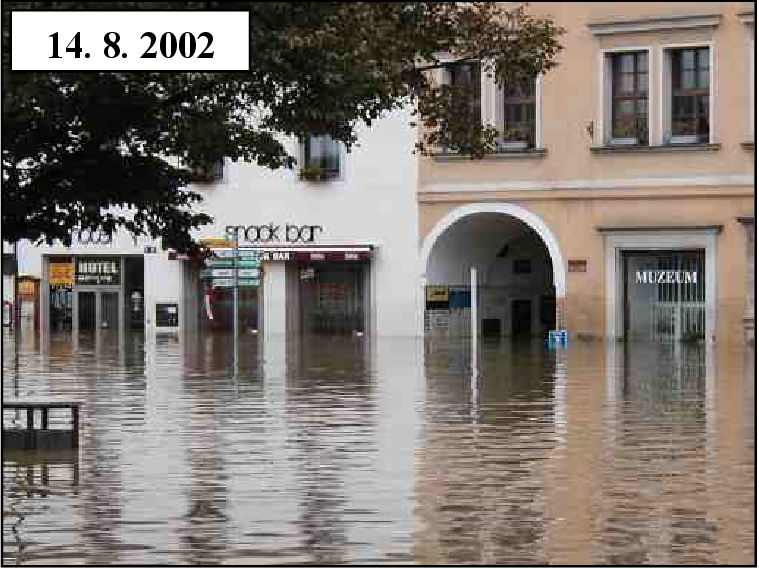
x=61 y=273
x=26 y=288
x=437 y=293
x=215 y=242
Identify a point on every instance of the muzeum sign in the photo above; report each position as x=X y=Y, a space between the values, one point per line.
x=272 y=233
x=665 y=277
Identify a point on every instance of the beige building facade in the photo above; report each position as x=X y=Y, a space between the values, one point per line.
x=621 y=202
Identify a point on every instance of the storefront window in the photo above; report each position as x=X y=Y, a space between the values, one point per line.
x=665 y=295
x=333 y=297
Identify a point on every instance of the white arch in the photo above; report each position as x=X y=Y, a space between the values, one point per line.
x=527 y=217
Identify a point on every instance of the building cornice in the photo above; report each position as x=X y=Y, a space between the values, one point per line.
x=653 y=23
x=579 y=184
x=707 y=229
x=746 y=17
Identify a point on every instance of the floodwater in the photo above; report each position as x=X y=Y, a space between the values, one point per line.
x=337 y=450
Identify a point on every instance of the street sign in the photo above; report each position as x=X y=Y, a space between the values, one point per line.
x=230 y=282
x=230 y=253
x=230 y=263
x=230 y=273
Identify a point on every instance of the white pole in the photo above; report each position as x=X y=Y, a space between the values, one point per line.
x=235 y=308
x=475 y=318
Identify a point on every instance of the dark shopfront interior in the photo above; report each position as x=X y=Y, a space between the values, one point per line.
x=333 y=296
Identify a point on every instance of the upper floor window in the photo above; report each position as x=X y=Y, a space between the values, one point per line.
x=519 y=114
x=209 y=172
x=629 y=94
x=689 y=95
x=321 y=158
x=465 y=76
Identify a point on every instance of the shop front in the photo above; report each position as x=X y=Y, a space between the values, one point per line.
x=661 y=283
x=85 y=292
x=664 y=295
x=286 y=289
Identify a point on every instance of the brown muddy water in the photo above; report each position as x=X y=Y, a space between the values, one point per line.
x=339 y=450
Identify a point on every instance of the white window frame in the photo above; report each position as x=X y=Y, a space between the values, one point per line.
x=603 y=133
x=496 y=112
x=752 y=81
x=665 y=88
x=618 y=241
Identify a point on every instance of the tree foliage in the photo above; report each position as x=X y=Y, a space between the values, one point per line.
x=88 y=149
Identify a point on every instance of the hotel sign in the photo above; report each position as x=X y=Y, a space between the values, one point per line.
x=665 y=277
x=98 y=270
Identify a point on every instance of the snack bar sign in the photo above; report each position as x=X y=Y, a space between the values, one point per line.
x=99 y=270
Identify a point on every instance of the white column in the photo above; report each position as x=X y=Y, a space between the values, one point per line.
x=274 y=284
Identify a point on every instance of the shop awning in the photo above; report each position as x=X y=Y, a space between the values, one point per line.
x=306 y=253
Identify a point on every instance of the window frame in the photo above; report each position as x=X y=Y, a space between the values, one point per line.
x=448 y=80
x=501 y=101
x=677 y=71
x=634 y=96
x=332 y=175
x=605 y=126
x=665 y=90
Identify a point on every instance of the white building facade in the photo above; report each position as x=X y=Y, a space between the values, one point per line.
x=333 y=247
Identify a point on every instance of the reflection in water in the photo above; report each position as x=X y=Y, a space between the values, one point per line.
x=327 y=450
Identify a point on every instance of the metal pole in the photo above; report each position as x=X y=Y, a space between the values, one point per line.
x=235 y=299
x=473 y=310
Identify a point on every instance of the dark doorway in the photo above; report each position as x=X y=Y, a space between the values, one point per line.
x=547 y=314
x=491 y=327
x=521 y=316
x=86 y=311
x=109 y=309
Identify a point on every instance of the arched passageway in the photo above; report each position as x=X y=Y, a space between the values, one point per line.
x=521 y=272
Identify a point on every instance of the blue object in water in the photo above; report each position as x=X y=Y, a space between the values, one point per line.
x=557 y=337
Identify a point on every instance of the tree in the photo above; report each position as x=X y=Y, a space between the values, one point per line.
x=88 y=150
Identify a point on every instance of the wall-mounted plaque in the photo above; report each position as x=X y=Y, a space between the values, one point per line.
x=578 y=265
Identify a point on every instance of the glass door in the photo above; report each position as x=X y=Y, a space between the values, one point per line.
x=109 y=310
x=86 y=311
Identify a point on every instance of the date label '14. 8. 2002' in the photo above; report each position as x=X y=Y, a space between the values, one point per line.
x=129 y=41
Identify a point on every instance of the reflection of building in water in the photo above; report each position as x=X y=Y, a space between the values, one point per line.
x=653 y=501
x=480 y=475
x=28 y=476
x=204 y=529
x=330 y=415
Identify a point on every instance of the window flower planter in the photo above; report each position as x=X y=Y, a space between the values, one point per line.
x=315 y=173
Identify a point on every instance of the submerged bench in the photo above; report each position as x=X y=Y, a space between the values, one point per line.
x=42 y=438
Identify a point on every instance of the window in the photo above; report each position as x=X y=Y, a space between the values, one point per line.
x=212 y=171
x=519 y=114
x=321 y=157
x=522 y=266
x=629 y=98
x=466 y=78
x=690 y=95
